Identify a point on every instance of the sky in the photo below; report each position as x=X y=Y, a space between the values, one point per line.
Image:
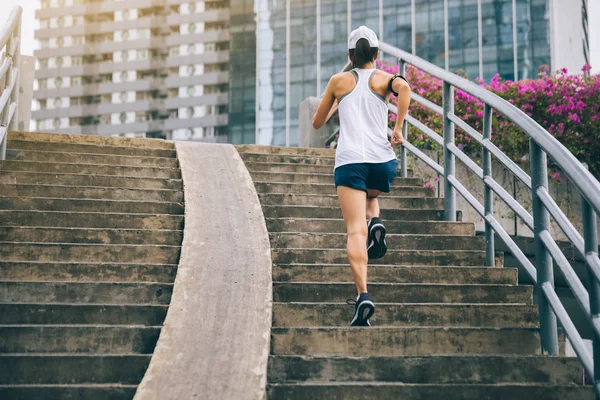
x=28 y=43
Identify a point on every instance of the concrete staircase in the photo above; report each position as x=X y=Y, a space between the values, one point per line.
x=90 y=236
x=446 y=327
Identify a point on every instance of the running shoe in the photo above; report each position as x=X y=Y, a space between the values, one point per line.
x=363 y=310
x=376 y=246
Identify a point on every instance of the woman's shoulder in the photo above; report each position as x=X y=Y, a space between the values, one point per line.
x=342 y=83
x=382 y=78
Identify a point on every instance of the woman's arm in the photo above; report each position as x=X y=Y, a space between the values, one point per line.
x=325 y=106
x=401 y=87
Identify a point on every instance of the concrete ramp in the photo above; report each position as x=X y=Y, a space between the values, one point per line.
x=215 y=340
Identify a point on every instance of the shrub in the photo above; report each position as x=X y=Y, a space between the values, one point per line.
x=567 y=106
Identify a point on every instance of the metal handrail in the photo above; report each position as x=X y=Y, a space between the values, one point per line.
x=542 y=144
x=10 y=47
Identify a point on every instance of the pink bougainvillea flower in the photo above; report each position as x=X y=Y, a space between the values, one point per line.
x=568 y=106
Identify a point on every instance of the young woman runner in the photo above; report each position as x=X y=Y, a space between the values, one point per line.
x=365 y=163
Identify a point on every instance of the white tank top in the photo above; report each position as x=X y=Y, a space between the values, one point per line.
x=363 y=124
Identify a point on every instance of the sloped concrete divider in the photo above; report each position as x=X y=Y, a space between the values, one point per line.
x=215 y=340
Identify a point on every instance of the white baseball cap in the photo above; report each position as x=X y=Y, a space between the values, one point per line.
x=362 y=32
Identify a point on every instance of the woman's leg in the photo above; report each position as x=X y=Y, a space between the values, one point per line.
x=376 y=247
x=373 y=204
x=353 y=204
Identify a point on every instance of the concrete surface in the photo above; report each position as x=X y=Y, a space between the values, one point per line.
x=215 y=340
x=26 y=78
x=44 y=138
x=307 y=135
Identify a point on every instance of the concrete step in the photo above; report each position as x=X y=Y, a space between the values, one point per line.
x=323 y=161
x=89 y=205
x=78 y=339
x=61 y=219
x=117 y=293
x=333 y=212
x=89 y=148
x=403 y=293
x=333 y=225
x=90 y=236
x=295 y=167
x=331 y=200
x=61 y=392
x=400 y=257
x=310 y=240
x=291 y=315
x=369 y=390
x=44 y=369
x=395 y=274
x=287 y=167
x=90 y=169
x=68 y=252
x=87 y=272
x=91 y=139
x=429 y=369
x=295 y=151
x=37 y=178
x=82 y=314
x=320 y=178
x=329 y=188
x=83 y=158
x=403 y=341
x=100 y=193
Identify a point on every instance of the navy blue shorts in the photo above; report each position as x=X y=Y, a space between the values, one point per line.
x=367 y=176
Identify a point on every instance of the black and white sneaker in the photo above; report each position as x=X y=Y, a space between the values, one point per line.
x=363 y=310
x=376 y=246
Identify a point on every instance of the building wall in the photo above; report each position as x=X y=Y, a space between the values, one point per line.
x=302 y=43
x=566 y=34
x=156 y=68
x=594 y=34
x=242 y=94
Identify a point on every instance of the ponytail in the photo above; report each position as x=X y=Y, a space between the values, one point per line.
x=363 y=53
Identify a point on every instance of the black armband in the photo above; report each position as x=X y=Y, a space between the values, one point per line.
x=392 y=80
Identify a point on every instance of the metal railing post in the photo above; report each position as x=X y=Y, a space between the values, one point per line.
x=14 y=124
x=403 y=153
x=488 y=192
x=10 y=39
x=545 y=274
x=449 y=162
x=590 y=234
